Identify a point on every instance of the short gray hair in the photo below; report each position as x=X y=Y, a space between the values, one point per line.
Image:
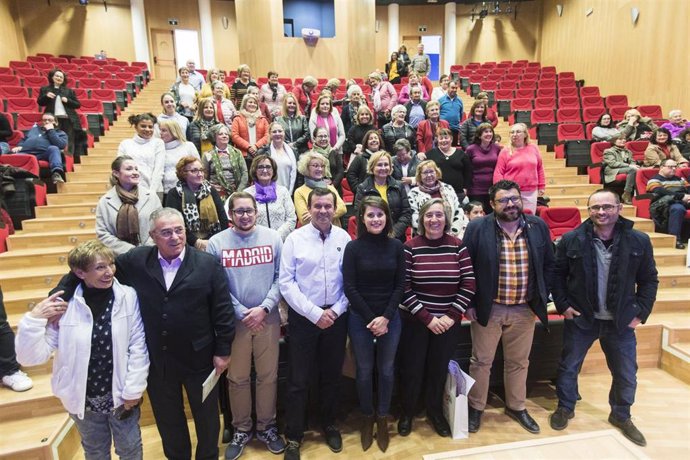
x=162 y=213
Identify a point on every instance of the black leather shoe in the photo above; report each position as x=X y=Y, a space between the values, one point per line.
x=559 y=419
x=629 y=430
x=292 y=451
x=440 y=425
x=524 y=419
x=404 y=425
x=680 y=245
x=333 y=438
x=474 y=419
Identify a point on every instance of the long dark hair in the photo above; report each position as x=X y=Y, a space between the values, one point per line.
x=373 y=201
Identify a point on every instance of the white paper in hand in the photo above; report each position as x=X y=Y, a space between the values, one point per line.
x=208 y=384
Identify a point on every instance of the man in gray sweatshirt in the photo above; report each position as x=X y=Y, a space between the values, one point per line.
x=250 y=255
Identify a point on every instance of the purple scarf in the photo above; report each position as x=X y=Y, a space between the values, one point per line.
x=329 y=123
x=265 y=194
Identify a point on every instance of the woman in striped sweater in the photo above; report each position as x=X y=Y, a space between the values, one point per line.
x=439 y=285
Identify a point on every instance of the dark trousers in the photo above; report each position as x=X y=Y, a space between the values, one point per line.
x=8 y=359
x=621 y=357
x=310 y=346
x=424 y=358
x=676 y=217
x=165 y=392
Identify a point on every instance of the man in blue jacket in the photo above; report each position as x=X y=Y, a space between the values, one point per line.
x=46 y=142
x=605 y=283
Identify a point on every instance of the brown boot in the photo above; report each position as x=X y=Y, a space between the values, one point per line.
x=627 y=198
x=367 y=431
x=382 y=432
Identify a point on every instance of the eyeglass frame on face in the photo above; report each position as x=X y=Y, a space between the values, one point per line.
x=322 y=136
x=168 y=232
x=242 y=211
x=317 y=165
x=194 y=170
x=429 y=172
x=603 y=207
x=671 y=167
x=504 y=201
x=264 y=168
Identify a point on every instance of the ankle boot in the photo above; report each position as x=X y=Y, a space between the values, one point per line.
x=626 y=198
x=382 y=432
x=367 y=431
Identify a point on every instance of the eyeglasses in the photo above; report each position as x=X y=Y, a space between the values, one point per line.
x=671 y=166
x=429 y=172
x=240 y=212
x=322 y=136
x=194 y=171
x=517 y=132
x=604 y=207
x=169 y=232
x=264 y=168
x=316 y=166
x=512 y=199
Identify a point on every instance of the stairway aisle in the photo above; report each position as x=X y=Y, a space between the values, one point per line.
x=33 y=424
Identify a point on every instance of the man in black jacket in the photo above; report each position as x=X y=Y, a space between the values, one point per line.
x=604 y=284
x=513 y=258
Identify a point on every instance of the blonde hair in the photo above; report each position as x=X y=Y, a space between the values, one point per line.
x=364 y=109
x=524 y=128
x=84 y=255
x=376 y=157
x=200 y=109
x=306 y=158
x=310 y=81
x=423 y=165
x=174 y=128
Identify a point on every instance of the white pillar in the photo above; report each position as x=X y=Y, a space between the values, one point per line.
x=393 y=28
x=205 y=22
x=449 y=33
x=141 y=42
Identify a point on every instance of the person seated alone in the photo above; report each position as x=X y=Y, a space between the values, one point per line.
x=46 y=143
x=671 y=199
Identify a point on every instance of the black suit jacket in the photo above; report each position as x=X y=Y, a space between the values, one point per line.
x=186 y=325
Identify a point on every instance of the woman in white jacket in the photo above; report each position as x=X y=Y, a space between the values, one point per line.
x=122 y=214
x=101 y=362
x=176 y=147
x=148 y=151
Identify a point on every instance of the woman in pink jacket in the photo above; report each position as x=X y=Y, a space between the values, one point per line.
x=521 y=162
x=383 y=98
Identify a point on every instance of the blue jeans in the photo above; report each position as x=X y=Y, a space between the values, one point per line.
x=99 y=431
x=621 y=357
x=54 y=157
x=4 y=147
x=676 y=216
x=370 y=350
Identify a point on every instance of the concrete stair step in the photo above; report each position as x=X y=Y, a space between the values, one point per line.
x=64 y=223
x=74 y=198
x=84 y=186
x=49 y=239
x=34 y=257
x=67 y=210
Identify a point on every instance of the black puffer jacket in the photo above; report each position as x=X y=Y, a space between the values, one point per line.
x=396 y=196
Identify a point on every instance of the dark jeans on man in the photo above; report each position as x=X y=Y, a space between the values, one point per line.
x=424 y=354
x=8 y=359
x=165 y=392
x=309 y=346
x=621 y=357
x=676 y=217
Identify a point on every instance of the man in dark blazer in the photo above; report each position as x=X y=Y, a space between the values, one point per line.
x=188 y=318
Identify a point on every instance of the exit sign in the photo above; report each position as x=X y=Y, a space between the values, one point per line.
x=422 y=28
x=172 y=21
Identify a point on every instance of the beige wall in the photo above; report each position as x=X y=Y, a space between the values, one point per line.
x=12 y=40
x=647 y=61
x=227 y=51
x=263 y=47
x=65 y=27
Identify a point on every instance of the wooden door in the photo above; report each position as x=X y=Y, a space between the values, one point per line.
x=164 y=65
x=411 y=42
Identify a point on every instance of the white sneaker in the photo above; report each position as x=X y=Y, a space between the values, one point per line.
x=18 y=381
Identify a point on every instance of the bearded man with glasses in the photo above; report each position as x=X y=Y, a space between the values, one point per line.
x=605 y=283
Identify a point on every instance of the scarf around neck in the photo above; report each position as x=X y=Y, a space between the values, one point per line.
x=127 y=220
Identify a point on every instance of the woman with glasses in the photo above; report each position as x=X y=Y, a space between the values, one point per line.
x=312 y=165
x=335 y=172
x=122 y=214
x=225 y=167
x=200 y=205
x=429 y=186
x=521 y=162
x=275 y=208
x=439 y=285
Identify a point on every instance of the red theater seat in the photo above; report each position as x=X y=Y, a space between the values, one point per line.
x=561 y=220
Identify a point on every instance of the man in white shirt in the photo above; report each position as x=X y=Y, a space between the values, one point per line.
x=311 y=282
x=196 y=79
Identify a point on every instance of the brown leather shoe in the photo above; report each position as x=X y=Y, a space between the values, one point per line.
x=626 y=198
x=367 y=435
x=382 y=438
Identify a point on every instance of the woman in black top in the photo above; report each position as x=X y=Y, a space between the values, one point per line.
x=373 y=279
x=62 y=102
x=454 y=164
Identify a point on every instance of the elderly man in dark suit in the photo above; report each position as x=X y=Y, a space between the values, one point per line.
x=188 y=318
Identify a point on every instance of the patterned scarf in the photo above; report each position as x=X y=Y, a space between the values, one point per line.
x=201 y=219
x=127 y=221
